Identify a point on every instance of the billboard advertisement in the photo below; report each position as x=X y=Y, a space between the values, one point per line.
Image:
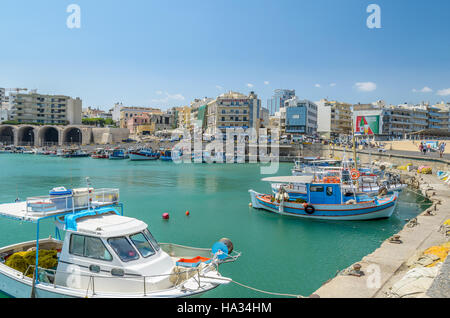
x=368 y=125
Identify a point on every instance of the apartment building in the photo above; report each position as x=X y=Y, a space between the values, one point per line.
x=397 y=121
x=233 y=110
x=198 y=113
x=2 y=95
x=333 y=118
x=439 y=116
x=45 y=109
x=121 y=114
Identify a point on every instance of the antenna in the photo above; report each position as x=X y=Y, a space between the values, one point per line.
x=88 y=182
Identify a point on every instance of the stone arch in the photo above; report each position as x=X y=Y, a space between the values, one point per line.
x=49 y=136
x=7 y=135
x=73 y=135
x=26 y=136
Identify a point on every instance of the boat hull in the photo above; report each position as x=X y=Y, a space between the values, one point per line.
x=140 y=157
x=383 y=208
x=17 y=287
x=15 y=284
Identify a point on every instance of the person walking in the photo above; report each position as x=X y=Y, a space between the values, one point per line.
x=421 y=148
x=442 y=149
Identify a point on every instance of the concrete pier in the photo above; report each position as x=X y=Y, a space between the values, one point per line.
x=388 y=264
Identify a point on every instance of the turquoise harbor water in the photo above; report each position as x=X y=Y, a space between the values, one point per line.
x=279 y=254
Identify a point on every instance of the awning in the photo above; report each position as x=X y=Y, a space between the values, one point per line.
x=290 y=179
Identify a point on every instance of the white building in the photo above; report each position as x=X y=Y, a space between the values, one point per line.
x=45 y=109
x=333 y=118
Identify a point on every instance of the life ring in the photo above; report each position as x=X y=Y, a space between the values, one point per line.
x=355 y=174
x=309 y=208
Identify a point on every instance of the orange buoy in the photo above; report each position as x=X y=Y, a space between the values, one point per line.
x=165 y=216
x=187 y=213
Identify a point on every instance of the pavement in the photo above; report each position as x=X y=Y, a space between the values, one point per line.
x=440 y=288
x=388 y=264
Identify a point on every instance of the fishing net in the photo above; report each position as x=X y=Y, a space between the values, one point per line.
x=21 y=261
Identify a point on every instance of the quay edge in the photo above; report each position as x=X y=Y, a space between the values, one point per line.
x=389 y=263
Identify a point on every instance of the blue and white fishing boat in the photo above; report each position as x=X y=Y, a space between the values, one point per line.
x=75 y=153
x=98 y=252
x=118 y=154
x=325 y=201
x=351 y=181
x=144 y=154
x=166 y=155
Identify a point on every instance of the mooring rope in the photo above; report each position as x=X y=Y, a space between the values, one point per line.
x=266 y=292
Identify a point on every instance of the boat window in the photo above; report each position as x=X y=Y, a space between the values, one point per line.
x=316 y=189
x=91 y=247
x=94 y=248
x=123 y=248
x=329 y=191
x=142 y=245
x=76 y=245
x=152 y=239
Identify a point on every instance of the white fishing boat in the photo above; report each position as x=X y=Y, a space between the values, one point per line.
x=103 y=254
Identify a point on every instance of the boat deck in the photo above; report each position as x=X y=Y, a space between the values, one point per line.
x=17 y=211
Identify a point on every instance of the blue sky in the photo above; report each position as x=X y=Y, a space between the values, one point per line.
x=166 y=53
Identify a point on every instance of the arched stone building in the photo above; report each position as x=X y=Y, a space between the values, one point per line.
x=39 y=136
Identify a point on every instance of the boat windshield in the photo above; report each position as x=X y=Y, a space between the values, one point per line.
x=123 y=249
x=142 y=245
x=86 y=246
x=152 y=240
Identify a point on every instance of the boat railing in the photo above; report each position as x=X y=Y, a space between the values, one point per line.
x=81 y=199
x=127 y=285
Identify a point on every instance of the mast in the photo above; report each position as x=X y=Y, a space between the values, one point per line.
x=354 y=146
x=354 y=156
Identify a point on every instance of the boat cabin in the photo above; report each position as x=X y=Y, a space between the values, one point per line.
x=108 y=245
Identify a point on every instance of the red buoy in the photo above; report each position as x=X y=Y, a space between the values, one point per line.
x=187 y=213
x=165 y=216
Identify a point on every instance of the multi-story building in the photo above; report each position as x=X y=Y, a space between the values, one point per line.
x=265 y=118
x=45 y=109
x=4 y=113
x=300 y=117
x=333 y=118
x=419 y=117
x=122 y=114
x=183 y=117
x=148 y=123
x=198 y=113
x=2 y=95
x=439 y=116
x=96 y=113
x=400 y=120
x=278 y=99
x=232 y=110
